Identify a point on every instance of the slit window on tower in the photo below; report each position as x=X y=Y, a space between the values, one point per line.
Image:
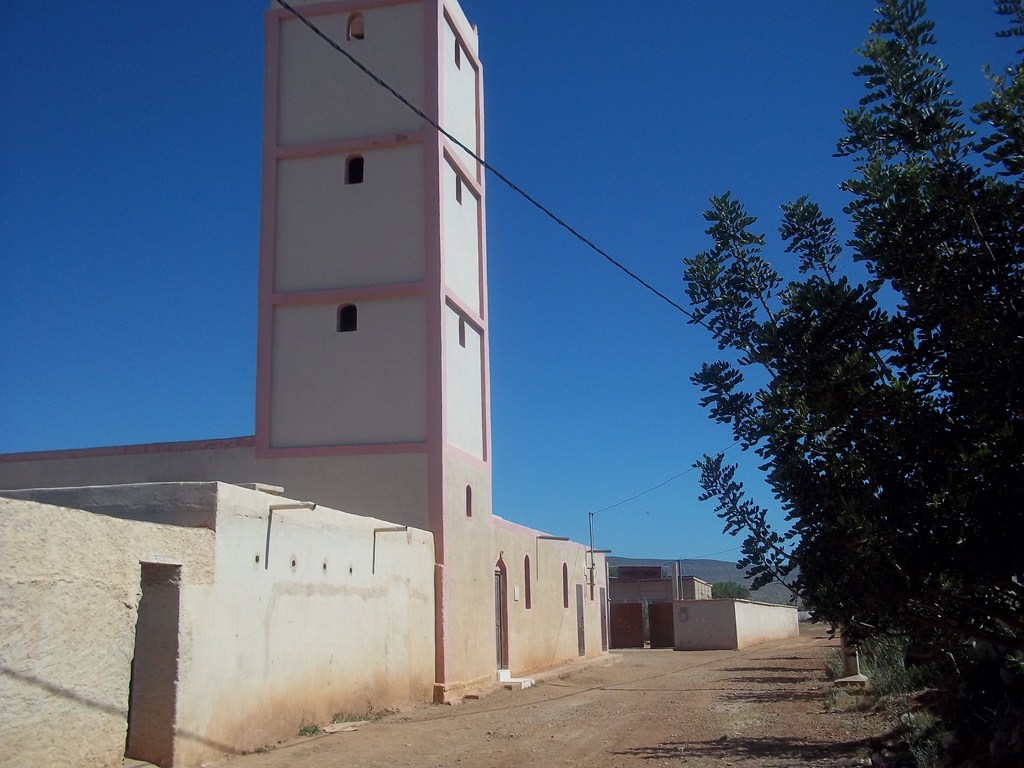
x=347 y=316
x=458 y=54
x=356 y=26
x=354 y=169
x=458 y=189
x=469 y=501
x=462 y=332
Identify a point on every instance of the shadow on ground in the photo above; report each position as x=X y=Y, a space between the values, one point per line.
x=748 y=747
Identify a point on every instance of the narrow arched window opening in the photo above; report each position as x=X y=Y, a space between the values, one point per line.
x=527 y=590
x=348 y=316
x=469 y=501
x=354 y=169
x=356 y=27
x=565 y=585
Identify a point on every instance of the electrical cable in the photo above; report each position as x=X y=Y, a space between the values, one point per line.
x=659 y=485
x=502 y=177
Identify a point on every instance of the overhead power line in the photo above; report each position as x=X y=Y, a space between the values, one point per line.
x=498 y=174
x=656 y=487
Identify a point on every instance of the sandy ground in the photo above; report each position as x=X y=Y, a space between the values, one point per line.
x=760 y=707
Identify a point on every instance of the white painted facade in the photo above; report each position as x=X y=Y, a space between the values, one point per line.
x=729 y=624
x=256 y=638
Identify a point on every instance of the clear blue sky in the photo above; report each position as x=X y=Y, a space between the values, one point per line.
x=129 y=202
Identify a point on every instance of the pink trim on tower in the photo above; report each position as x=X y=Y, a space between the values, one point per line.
x=339 y=6
x=364 y=143
x=268 y=229
x=482 y=269
x=466 y=458
x=434 y=271
x=433 y=253
x=338 y=295
x=131 y=450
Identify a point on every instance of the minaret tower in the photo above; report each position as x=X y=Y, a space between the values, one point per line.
x=372 y=378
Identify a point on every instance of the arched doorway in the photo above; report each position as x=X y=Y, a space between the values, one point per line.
x=501 y=614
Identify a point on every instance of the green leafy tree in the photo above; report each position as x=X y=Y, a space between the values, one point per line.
x=887 y=414
x=729 y=589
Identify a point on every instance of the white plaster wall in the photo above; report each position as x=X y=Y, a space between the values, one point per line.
x=761 y=622
x=704 y=625
x=367 y=386
x=388 y=486
x=328 y=623
x=322 y=96
x=545 y=635
x=538 y=638
x=274 y=645
x=695 y=589
x=335 y=235
x=70 y=586
x=130 y=464
x=458 y=107
x=461 y=239
x=728 y=624
x=464 y=407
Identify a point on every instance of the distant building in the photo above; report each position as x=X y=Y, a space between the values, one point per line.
x=372 y=390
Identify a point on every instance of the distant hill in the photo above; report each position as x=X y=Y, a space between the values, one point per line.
x=714 y=571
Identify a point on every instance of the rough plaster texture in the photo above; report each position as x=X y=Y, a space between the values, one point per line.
x=337 y=619
x=706 y=625
x=70 y=582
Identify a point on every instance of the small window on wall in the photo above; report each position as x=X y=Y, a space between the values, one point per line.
x=527 y=590
x=469 y=501
x=356 y=26
x=458 y=54
x=458 y=189
x=354 y=169
x=347 y=317
x=565 y=585
x=462 y=332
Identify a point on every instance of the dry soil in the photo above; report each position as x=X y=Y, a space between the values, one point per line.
x=760 y=707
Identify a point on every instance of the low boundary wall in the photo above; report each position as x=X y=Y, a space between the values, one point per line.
x=728 y=624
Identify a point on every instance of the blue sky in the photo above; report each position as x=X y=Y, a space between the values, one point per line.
x=129 y=203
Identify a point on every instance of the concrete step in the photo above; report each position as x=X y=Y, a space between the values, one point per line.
x=517 y=683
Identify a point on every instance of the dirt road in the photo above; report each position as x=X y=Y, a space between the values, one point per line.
x=761 y=707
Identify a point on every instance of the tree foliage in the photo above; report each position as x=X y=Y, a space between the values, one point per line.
x=887 y=413
x=723 y=589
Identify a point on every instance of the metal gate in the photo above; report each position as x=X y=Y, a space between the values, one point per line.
x=627 y=625
x=663 y=633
